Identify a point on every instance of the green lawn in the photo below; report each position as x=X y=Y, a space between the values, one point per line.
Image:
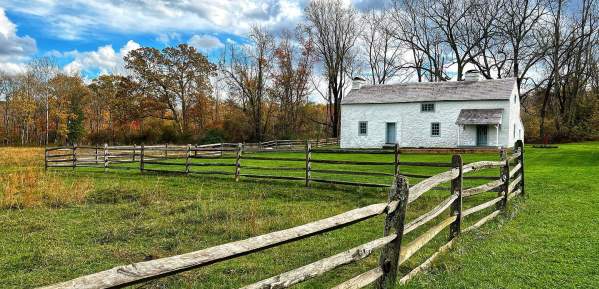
x=551 y=239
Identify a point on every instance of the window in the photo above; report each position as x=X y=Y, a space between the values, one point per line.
x=362 y=128
x=427 y=107
x=435 y=129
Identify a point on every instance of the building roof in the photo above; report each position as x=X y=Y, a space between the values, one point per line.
x=491 y=89
x=480 y=116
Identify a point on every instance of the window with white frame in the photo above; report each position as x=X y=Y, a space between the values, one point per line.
x=362 y=128
x=427 y=107
x=435 y=129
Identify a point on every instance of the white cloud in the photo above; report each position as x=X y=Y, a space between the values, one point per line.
x=168 y=38
x=82 y=18
x=129 y=46
x=205 y=42
x=14 y=50
x=105 y=59
x=7 y=28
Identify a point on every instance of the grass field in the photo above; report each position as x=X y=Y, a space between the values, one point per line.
x=64 y=224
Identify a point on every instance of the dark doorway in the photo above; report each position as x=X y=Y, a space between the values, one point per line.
x=391 y=133
x=481 y=135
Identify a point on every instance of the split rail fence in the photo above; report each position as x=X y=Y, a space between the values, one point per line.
x=393 y=252
x=252 y=160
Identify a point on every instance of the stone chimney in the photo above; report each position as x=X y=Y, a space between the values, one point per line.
x=472 y=75
x=357 y=82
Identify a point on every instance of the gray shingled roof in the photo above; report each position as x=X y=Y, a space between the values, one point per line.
x=480 y=116
x=492 y=89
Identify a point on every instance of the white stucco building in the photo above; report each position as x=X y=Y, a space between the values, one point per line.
x=466 y=113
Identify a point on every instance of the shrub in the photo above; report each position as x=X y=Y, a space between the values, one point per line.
x=213 y=135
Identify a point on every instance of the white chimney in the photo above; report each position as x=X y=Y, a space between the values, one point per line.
x=472 y=75
x=357 y=82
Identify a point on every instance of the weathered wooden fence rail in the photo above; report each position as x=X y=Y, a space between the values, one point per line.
x=393 y=251
x=249 y=160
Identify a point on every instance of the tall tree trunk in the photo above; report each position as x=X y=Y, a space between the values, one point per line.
x=544 y=107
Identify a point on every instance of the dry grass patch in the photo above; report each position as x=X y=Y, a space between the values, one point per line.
x=31 y=187
x=22 y=157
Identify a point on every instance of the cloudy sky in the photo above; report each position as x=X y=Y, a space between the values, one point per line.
x=91 y=36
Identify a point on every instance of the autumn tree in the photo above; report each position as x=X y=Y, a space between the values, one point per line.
x=70 y=97
x=42 y=70
x=116 y=104
x=24 y=106
x=7 y=85
x=291 y=75
x=104 y=89
x=247 y=70
x=176 y=77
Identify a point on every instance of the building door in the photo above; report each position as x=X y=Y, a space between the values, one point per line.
x=481 y=135
x=391 y=134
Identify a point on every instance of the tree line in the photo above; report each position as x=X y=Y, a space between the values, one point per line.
x=265 y=88
x=170 y=95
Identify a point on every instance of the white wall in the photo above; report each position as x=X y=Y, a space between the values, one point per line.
x=413 y=127
x=515 y=118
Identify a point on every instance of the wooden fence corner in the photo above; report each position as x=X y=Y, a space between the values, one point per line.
x=520 y=147
x=456 y=188
x=394 y=224
x=238 y=162
x=105 y=157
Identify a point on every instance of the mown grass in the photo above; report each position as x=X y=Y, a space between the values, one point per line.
x=552 y=243
x=129 y=217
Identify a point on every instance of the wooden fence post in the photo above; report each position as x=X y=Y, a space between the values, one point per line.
x=46 y=158
x=134 y=152
x=222 y=147
x=195 y=152
x=166 y=150
x=456 y=188
x=96 y=156
x=187 y=159
x=506 y=188
x=520 y=146
x=308 y=162
x=396 y=159
x=105 y=157
x=74 y=156
x=238 y=162
x=141 y=159
x=505 y=178
x=394 y=224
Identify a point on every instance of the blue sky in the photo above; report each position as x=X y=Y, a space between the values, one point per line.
x=91 y=36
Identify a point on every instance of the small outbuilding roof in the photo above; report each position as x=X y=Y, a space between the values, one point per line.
x=490 y=89
x=480 y=116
